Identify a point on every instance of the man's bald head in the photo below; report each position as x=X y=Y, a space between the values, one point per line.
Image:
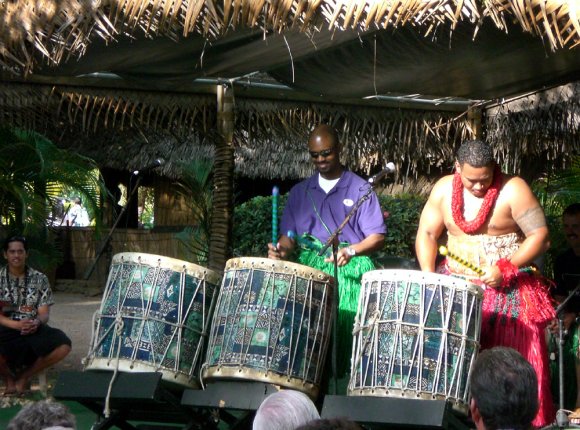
x=324 y=132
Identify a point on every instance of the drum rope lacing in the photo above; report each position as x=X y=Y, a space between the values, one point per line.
x=118 y=332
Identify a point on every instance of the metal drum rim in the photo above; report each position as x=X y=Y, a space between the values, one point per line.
x=418 y=275
x=173 y=264
x=269 y=264
x=249 y=374
x=138 y=366
x=456 y=404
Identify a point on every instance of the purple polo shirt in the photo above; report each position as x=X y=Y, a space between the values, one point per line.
x=300 y=217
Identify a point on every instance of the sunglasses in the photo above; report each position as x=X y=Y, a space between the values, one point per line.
x=322 y=154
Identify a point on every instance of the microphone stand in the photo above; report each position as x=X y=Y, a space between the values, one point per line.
x=562 y=420
x=105 y=242
x=333 y=240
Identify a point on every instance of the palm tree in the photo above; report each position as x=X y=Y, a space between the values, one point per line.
x=195 y=184
x=555 y=192
x=33 y=171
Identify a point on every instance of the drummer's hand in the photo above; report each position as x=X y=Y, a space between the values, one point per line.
x=277 y=252
x=492 y=277
x=342 y=259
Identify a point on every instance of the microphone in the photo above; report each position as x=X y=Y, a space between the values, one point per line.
x=389 y=168
x=156 y=163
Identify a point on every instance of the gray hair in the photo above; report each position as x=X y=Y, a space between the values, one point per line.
x=42 y=415
x=285 y=410
x=476 y=153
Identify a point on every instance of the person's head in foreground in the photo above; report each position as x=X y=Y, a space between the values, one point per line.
x=285 y=410
x=43 y=415
x=504 y=390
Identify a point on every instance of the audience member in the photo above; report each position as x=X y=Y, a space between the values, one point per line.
x=285 y=410
x=43 y=415
x=77 y=215
x=504 y=390
x=330 y=424
x=567 y=277
x=27 y=343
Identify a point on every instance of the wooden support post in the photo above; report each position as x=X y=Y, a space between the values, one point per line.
x=223 y=203
x=474 y=115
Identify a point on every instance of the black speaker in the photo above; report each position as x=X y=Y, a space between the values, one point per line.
x=394 y=412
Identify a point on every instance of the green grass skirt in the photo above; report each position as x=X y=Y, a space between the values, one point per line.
x=349 y=285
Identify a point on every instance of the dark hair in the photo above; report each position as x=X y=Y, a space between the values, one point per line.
x=505 y=389
x=11 y=239
x=476 y=153
x=573 y=209
x=42 y=414
x=330 y=424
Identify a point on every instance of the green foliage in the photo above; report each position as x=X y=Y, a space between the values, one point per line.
x=195 y=185
x=33 y=172
x=403 y=212
x=555 y=192
x=253 y=225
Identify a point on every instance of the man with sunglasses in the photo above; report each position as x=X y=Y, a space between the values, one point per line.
x=316 y=207
x=27 y=344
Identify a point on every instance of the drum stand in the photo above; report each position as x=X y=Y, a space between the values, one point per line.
x=562 y=420
x=139 y=397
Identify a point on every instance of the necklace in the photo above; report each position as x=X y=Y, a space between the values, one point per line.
x=457 y=203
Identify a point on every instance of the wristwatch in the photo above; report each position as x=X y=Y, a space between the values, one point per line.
x=350 y=251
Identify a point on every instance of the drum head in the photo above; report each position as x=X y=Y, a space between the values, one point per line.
x=279 y=266
x=423 y=277
x=168 y=263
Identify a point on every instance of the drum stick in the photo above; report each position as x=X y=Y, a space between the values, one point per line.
x=445 y=252
x=275 y=194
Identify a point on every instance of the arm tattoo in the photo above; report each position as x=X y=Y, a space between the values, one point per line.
x=531 y=220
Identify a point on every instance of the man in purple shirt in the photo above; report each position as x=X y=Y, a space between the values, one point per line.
x=315 y=208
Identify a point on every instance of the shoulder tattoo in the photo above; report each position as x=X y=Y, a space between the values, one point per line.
x=531 y=220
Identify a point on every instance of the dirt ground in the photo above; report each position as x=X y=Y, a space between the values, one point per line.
x=73 y=313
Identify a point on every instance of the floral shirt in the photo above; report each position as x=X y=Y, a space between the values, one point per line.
x=22 y=298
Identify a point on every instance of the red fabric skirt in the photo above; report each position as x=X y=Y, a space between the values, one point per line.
x=517 y=317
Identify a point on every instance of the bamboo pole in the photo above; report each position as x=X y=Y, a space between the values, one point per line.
x=220 y=246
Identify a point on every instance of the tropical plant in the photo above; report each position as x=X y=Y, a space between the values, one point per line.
x=555 y=192
x=195 y=185
x=253 y=225
x=33 y=172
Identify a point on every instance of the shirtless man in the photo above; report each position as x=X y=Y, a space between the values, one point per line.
x=494 y=222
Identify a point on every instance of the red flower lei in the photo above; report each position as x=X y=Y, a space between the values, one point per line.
x=488 y=203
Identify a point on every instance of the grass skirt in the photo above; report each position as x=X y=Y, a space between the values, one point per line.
x=349 y=285
x=517 y=317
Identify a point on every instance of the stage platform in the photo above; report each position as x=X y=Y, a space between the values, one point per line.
x=230 y=404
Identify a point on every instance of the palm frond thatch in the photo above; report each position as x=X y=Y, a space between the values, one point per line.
x=137 y=127
x=58 y=29
x=541 y=127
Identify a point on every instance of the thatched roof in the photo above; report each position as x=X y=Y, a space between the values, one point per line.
x=58 y=29
x=269 y=137
x=142 y=73
x=537 y=132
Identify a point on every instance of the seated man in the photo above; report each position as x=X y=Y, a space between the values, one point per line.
x=504 y=390
x=27 y=344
